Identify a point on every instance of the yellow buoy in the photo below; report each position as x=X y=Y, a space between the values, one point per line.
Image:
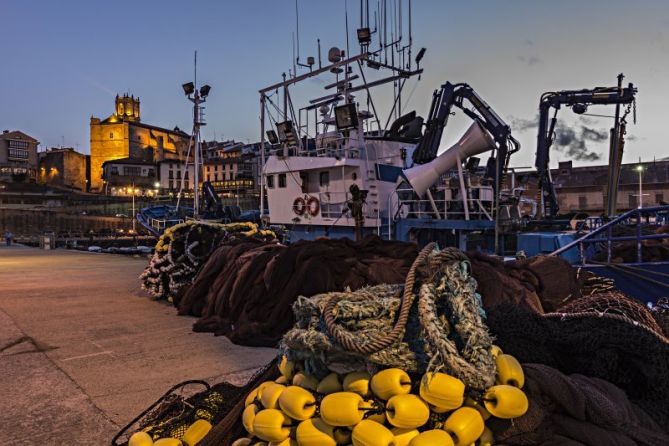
x=371 y=433
x=315 y=432
x=242 y=442
x=271 y=425
x=509 y=371
x=196 y=432
x=432 y=437
x=168 y=442
x=465 y=426
x=329 y=384
x=486 y=439
x=251 y=397
x=248 y=416
x=469 y=402
x=407 y=411
x=444 y=392
x=286 y=368
x=390 y=382
x=269 y=395
x=282 y=380
x=404 y=436
x=297 y=403
x=140 y=439
x=357 y=382
x=307 y=381
x=286 y=442
x=504 y=401
x=495 y=350
x=342 y=409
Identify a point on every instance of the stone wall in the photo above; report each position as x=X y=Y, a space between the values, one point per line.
x=35 y=222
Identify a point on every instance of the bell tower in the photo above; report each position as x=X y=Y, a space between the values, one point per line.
x=127 y=108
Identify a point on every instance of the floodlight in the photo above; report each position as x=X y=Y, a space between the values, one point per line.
x=420 y=55
x=364 y=36
x=204 y=91
x=346 y=117
x=272 y=137
x=639 y=168
x=579 y=109
x=189 y=88
x=156 y=184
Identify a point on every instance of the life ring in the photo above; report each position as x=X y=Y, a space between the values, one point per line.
x=299 y=206
x=313 y=206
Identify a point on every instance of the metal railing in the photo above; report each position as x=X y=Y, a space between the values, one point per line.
x=604 y=233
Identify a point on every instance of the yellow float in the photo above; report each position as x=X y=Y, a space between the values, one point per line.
x=407 y=411
x=271 y=425
x=343 y=409
x=371 y=433
x=444 y=392
x=404 y=436
x=269 y=395
x=315 y=432
x=357 y=382
x=196 y=432
x=390 y=382
x=432 y=437
x=248 y=416
x=465 y=426
x=297 y=403
x=509 y=371
x=307 y=381
x=140 y=439
x=505 y=401
x=329 y=384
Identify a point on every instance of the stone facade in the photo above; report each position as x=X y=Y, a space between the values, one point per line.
x=122 y=135
x=18 y=157
x=64 y=168
x=231 y=168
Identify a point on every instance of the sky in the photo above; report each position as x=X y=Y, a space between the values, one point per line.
x=64 y=61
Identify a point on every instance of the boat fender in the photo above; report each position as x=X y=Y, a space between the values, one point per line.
x=140 y=439
x=444 y=392
x=329 y=384
x=407 y=411
x=505 y=401
x=404 y=436
x=196 y=432
x=271 y=425
x=432 y=437
x=390 y=382
x=357 y=382
x=269 y=396
x=371 y=433
x=309 y=382
x=343 y=409
x=509 y=371
x=465 y=426
x=297 y=403
x=315 y=432
x=248 y=416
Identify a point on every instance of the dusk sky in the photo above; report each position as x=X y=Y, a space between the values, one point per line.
x=64 y=61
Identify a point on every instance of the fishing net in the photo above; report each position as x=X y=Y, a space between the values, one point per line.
x=183 y=249
x=172 y=414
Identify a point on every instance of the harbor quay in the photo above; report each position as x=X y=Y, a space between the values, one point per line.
x=83 y=350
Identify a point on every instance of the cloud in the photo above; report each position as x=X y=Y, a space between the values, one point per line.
x=574 y=144
x=522 y=124
x=530 y=60
x=594 y=134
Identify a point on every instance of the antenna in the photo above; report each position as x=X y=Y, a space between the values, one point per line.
x=348 y=51
x=195 y=69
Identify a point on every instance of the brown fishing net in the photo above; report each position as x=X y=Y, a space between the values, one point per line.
x=605 y=336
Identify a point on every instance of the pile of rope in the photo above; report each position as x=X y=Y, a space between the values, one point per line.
x=183 y=249
x=434 y=323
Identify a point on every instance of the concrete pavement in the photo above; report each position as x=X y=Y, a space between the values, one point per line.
x=83 y=350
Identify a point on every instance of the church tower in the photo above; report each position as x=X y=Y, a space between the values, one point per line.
x=126 y=108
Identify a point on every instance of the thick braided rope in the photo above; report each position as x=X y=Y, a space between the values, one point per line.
x=375 y=344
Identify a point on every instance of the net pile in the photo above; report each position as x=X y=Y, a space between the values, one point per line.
x=183 y=249
x=245 y=291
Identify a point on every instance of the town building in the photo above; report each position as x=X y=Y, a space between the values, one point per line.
x=123 y=136
x=18 y=157
x=64 y=167
x=128 y=176
x=584 y=189
x=171 y=173
x=231 y=168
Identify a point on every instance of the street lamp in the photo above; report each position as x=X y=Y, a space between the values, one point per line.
x=639 y=169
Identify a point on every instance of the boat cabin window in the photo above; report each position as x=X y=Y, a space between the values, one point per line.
x=282 y=180
x=325 y=178
x=304 y=179
x=354 y=176
x=270 y=181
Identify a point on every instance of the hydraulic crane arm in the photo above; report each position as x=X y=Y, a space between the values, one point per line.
x=578 y=100
x=443 y=100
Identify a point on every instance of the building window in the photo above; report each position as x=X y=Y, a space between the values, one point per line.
x=659 y=198
x=114 y=170
x=354 y=176
x=215 y=177
x=152 y=172
x=132 y=171
x=282 y=180
x=632 y=201
x=111 y=135
x=325 y=178
x=14 y=144
x=20 y=154
x=187 y=185
x=186 y=175
x=582 y=202
x=171 y=175
x=270 y=181
x=178 y=174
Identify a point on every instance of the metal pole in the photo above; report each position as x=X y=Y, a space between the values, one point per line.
x=134 y=217
x=261 y=169
x=196 y=166
x=640 y=187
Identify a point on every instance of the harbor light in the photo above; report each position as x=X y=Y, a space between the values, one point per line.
x=156 y=185
x=204 y=91
x=189 y=88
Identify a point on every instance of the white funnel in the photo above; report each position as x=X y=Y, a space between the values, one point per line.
x=475 y=140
